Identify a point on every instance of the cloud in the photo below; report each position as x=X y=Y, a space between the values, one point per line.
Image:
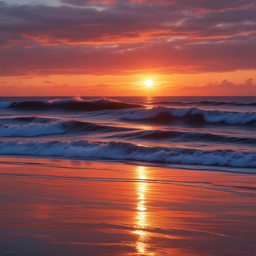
x=216 y=5
x=48 y=82
x=225 y=84
x=124 y=37
x=124 y=21
x=156 y=57
x=215 y=88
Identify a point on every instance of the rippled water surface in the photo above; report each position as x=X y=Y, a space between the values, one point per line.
x=205 y=131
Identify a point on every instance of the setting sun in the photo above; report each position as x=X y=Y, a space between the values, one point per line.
x=149 y=82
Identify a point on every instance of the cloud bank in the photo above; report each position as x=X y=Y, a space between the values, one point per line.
x=123 y=37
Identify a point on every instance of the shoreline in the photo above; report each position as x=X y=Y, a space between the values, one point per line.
x=212 y=168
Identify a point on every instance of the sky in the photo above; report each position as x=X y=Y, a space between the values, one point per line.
x=110 y=47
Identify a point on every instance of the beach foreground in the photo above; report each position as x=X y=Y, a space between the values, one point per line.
x=72 y=207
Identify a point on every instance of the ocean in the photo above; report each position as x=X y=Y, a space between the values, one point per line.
x=216 y=132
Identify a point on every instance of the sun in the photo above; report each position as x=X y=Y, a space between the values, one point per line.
x=149 y=82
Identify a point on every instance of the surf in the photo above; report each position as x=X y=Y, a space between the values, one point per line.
x=129 y=151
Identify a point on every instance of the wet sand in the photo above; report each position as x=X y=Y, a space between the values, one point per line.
x=64 y=207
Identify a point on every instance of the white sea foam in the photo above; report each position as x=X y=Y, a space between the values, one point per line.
x=43 y=126
x=211 y=116
x=128 y=151
x=34 y=129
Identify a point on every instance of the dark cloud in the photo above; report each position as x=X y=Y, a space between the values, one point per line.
x=128 y=37
x=161 y=57
x=122 y=22
x=216 y=5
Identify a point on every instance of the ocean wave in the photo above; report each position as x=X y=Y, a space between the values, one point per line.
x=74 y=104
x=205 y=102
x=129 y=151
x=27 y=119
x=161 y=114
x=168 y=103
x=48 y=127
x=39 y=126
x=179 y=136
x=32 y=119
x=5 y=104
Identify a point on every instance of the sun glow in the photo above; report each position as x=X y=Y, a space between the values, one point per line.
x=149 y=82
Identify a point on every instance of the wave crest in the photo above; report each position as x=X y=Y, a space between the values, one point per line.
x=162 y=114
x=180 y=136
x=205 y=102
x=128 y=151
x=74 y=104
x=49 y=127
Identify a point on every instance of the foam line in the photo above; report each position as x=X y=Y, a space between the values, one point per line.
x=129 y=151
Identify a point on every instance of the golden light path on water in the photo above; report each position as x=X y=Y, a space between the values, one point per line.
x=141 y=214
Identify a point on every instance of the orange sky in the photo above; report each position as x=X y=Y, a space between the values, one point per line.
x=90 y=85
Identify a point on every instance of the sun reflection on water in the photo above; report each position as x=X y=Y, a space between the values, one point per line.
x=141 y=214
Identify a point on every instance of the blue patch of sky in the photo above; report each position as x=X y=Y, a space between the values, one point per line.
x=44 y=2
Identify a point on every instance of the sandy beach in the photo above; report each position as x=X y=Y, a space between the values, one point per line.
x=73 y=207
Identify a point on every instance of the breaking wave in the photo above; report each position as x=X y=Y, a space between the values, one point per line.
x=161 y=114
x=30 y=119
x=39 y=126
x=129 y=151
x=179 y=136
x=205 y=102
x=74 y=104
x=5 y=104
x=48 y=127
